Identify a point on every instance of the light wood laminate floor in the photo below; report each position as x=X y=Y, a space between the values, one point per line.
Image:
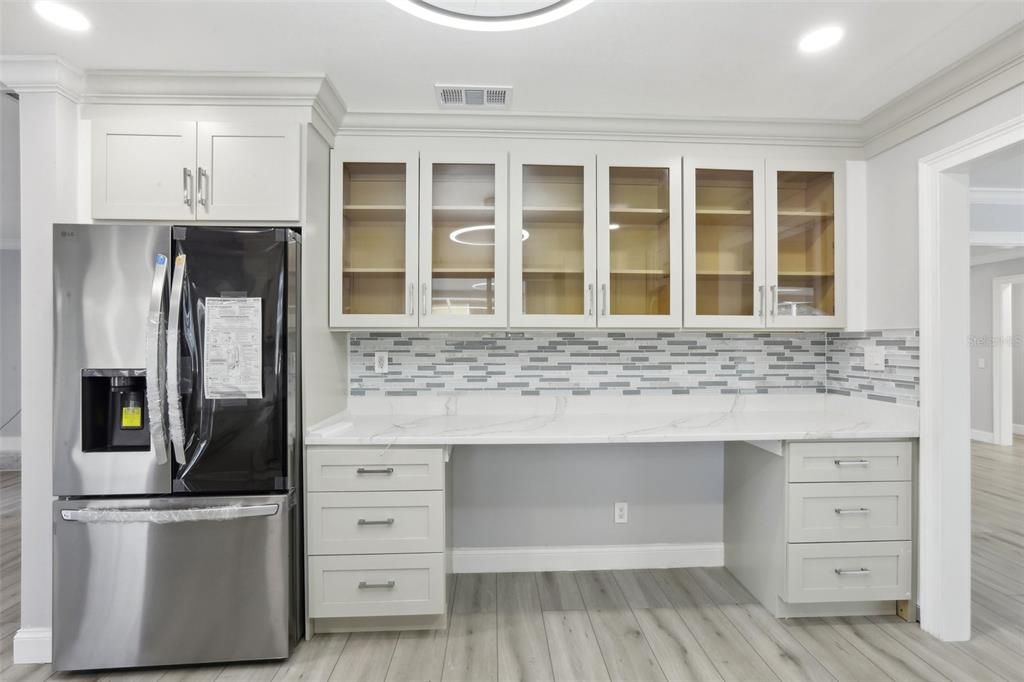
x=681 y=624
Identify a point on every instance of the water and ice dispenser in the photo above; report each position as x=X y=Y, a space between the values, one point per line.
x=114 y=410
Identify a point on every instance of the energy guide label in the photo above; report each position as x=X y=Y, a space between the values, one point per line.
x=233 y=348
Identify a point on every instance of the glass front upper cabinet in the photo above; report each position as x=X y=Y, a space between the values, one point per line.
x=640 y=243
x=805 y=210
x=552 y=250
x=463 y=240
x=373 y=241
x=723 y=243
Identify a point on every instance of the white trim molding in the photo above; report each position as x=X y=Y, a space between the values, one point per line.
x=996 y=238
x=41 y=74
x=944 y=508
x=1002 y=358
x=585 y=557
x=33 y=646
x=982 y=436
x=1018 y=429
x=998 y=196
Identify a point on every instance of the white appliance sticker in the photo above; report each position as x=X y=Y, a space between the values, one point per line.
x=233 y=348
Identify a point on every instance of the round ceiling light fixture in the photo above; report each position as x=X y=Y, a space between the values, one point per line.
x=821 y=39
x=65 y=16
x=491 y=16
x=456 y=235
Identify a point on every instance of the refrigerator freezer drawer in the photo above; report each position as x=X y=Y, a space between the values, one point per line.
x=152 y=582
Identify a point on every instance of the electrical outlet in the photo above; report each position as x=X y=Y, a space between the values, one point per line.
x=981 y=363
x=621 y=512
x=380 y=362
x=874 y=358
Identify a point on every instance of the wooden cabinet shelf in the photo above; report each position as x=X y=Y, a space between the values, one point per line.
x=723 y=211
x=370 y=212
x=638 y=216
x=725 y=273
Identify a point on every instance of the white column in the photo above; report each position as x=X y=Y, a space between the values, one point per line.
x=47 y=88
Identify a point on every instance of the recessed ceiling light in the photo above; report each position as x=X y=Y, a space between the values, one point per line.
x=821 y=39
x=433 y=12
x=59 y=14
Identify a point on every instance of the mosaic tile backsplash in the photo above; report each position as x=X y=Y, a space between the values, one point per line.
x=633 y=363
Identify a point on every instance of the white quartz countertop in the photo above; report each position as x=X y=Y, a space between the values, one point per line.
x=504 y=420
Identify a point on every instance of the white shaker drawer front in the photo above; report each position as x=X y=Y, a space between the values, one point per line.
x=385 y=585
x=848 y=571
x=850 y=461
x=374 y=468
x=376 y=523
x=848 y=512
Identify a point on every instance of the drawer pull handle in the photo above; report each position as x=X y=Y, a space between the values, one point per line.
x=387 y=471
x=851 y=462
x=853 y=571
x=854 y=510
x=363 y=585
x=380 y=522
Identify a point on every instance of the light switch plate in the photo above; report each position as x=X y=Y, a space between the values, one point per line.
x=874 y=358
x=380 y=362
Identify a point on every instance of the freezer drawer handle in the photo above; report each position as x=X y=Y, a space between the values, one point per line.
x=225 y=513
x=381 y=522
x=853 y=571
x=387 y=471
x=851 y=462
x=853 y=510
x=389 y=585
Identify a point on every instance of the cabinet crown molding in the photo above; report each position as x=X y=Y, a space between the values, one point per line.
x=27 y=74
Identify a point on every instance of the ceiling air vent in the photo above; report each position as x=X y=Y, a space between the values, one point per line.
x=473 y=96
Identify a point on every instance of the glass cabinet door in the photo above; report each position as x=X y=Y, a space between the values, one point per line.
x=805 y=206
x=373 y=242
x=551 y=243
x=724 y=243
x=463 y=241
x=640 y=237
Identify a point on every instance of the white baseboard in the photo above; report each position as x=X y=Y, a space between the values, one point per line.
x=33 y=645
x=1018 y=429
x=983 y=436
x=585 y=557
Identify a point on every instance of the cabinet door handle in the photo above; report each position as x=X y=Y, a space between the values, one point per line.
x=186 y=181
x=760 y=301
x=851 y=462
x=424 y=310
x=204 y=188
x=852 y=510
x=387 y=471
x=363 y=585
x=604 y=299
x=381 y=522
x=853 y=571
x=412 y=299
x=590 y=300
x=775 y=300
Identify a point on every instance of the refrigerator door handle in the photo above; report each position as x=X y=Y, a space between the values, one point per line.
x=174 y=415
x=154 y=369
x=224 y=513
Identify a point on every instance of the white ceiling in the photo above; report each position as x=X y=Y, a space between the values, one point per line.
x=673 y=58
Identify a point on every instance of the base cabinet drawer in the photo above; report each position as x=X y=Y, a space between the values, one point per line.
x=848 y=512
x=847 y=571
x=850 y=461
x=376 y=523
x=385 y=585
x=338 y=469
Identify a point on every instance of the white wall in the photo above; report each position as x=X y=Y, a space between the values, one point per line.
x=1018 y=355
x=10 y=269
x=892 y=281
x=981 y=339
x=514 y=496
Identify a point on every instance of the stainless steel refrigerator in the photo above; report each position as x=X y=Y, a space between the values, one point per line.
x=176 y=445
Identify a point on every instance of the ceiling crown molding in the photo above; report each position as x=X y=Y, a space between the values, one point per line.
x=27 y=74
x=618 y=128
x=985 y=73
x=997 y=196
